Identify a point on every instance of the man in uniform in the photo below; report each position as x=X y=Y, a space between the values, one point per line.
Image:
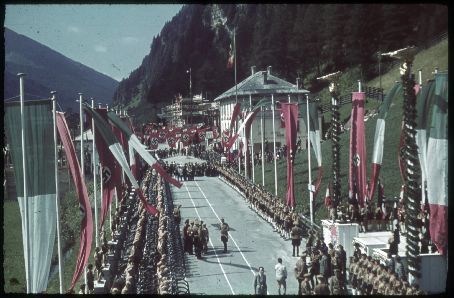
x=186 y=236
x=296 y=235
x=322 y=288
x=306 y=286
x=224 y=227
x=260 y=286
x=336 y=283
x=300 y=271
x=177 y=214
x=205 y=238
x=196 y=232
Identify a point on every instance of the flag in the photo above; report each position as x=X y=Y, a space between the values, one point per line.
x=225 y=138
x=186 y=138
x=231 y=58
x=134 y=142
x=357 y=161
x=86 y=225
x=328 y=201
x=437 y=172
x=115 y=148
x=377 y=155
x=171 y=139
x=250 y=116
x=111 y=171
x=424 y=102
x=235 y=114
x=162 y=132
x=314 y=138
x=40 y=194
x=154 y=140
x=290 y=111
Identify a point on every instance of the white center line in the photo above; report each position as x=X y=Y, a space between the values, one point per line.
x=211 y=243
x=230 y=235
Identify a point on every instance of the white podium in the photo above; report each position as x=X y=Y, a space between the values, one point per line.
x=340 y=233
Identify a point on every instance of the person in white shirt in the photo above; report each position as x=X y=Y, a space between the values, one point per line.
x=281 y=276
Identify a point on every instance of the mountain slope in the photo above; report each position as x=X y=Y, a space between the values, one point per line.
x=49 y=70
x=292 y=39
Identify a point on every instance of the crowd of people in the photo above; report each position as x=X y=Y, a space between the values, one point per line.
x=187 y=171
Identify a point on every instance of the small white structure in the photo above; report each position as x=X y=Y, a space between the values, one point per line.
x=340 y=233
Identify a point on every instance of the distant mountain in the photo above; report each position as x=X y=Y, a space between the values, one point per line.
x=49 y=70
x=304 y=40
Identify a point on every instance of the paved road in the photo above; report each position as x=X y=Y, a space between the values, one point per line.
x=252 y=242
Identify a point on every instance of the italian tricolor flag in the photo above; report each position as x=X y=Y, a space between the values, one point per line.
x=437 y=171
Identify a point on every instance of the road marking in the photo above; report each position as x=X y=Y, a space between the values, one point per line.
x=230 y=235
x=211 y=243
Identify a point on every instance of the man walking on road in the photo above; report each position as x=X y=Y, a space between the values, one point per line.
x=296 y=234
x=281 y=275
x=224 y=227
x=260 y=286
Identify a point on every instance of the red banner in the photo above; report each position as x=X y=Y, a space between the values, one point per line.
x=154 y=140
x=86 y=226
x=162 y=132
x=171 y=140
x=290 y=113
x=236 y=112
x=357 y=162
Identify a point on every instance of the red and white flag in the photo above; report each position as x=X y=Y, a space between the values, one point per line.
x=357 y=161
x=290 y=113
x=328 y=201
x=86 y=226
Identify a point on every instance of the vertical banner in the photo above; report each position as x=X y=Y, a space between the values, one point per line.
x=290 y=114
x=357 y=161
x=437 y=171
x=379 y=138
x=41 y=192
x=86 y=225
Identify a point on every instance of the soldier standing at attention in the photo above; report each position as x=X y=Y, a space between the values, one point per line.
x=336 y=283
x=224 y=227
x=186 y=236
x=296 y=235
x=205 y=238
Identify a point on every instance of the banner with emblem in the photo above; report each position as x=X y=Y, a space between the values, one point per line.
x=171 y=139
x=115 y=147
x=111 y=171
x=357 y=161
x=162 y=132
x=186 y=138
x=154 y=140
x=290 y=113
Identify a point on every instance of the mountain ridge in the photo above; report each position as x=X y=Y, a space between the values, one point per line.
x=49 y=70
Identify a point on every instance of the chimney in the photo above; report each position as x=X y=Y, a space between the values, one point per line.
x=252 y=70
x=269 y=70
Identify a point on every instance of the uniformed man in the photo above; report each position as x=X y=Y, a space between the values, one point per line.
x=306 y=285
x=296 y=234
x=300 y=271
x=196 y=232
x=205 y=238
x=177 y=214
x=191 y=237
x=322 y=287
x=186 y=240
x=224 y=227
x=336 y=283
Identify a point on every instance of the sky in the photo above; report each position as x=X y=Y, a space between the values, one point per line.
x=111 y=39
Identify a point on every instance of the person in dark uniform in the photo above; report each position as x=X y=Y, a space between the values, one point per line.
x=186 y=240
x=205 y=238
x=224 y=227
x=177 y=214
x=296 y=234
x=322 y=287
x=90 y=279
x=196 y=232
x=260 y=286
x=336 y=284
x=300 y=271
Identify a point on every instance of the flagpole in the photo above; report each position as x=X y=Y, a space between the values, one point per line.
x=94 y=175
x=24 y=168
x=263 y=147
x=57 y=202
x=245 y=147
x=311 y=194
x=82 y=167
x=252 y=144
x=274 y=146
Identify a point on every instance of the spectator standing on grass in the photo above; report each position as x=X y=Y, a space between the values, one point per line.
x=281 y=276
x=260 y=287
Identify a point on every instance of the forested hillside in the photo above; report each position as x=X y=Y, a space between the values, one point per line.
x=305 y=40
